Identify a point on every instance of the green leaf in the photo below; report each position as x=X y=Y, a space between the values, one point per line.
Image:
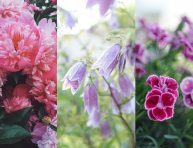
x=171 y=137
x=20 y=116
x=12 y=133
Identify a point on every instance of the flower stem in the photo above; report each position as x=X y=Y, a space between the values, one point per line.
x=120 y=114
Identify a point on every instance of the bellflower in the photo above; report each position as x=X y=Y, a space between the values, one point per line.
x=104 y=5
x=126 y=85
x=187 y=90
x=105 y=129
x=108 y=61
x=74 y=77
x=91 y=104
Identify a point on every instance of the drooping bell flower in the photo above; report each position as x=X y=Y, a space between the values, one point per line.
x=107 y=62
x=70 y=20
x=187 y=90
x=126 y=85
x=74 y=77
x=105 y=129
x=104 y=5
x=160 y=101
x=128 y=107
x=91 y=104
x=115 y=100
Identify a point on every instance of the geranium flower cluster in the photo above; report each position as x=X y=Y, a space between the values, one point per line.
x=104 y=65
x=161 y=99
x=28 y=65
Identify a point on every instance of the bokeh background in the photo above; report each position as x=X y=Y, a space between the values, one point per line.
x=175 y=132
x=81 y=32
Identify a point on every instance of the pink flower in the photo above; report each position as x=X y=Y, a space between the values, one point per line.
x=187 y=90
x=54 y=2
x=12 y=8
x=21 y=90
x=19 y=43
x=160 y=100
x=155 y=33
x=45 y=92
x=160 y=105
x=16 y=103
x=163 y=83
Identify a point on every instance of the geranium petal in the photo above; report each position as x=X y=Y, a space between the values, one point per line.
x=159 y=114
x=168 y=99
x=151 y=102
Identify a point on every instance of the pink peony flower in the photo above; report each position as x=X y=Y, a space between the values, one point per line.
x=160 y=100
x=54 y=2
x=21 y=90
x=19 y=43
x=187 y=90
x=16 y=103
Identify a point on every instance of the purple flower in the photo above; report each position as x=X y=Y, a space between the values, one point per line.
x=74 y=77
x=104 y=5
x=105 y=129
x=128 y=107
x=126 y=85
x=115 y=100
x=114 y=22
x=187 y=90
x=155 y=33
x=70 y=20
x=108 y=61
x=91 y=104
x=122 y=62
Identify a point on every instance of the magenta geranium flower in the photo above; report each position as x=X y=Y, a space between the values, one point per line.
x=163 y=83
x=187 y=90
x=161 y=99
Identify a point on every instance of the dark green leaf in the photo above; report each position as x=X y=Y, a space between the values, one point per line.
x=20 y=116
x=12 y=133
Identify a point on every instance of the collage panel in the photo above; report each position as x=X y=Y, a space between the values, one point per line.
x=96 y=103
x=164 y=81
x=28 y=77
